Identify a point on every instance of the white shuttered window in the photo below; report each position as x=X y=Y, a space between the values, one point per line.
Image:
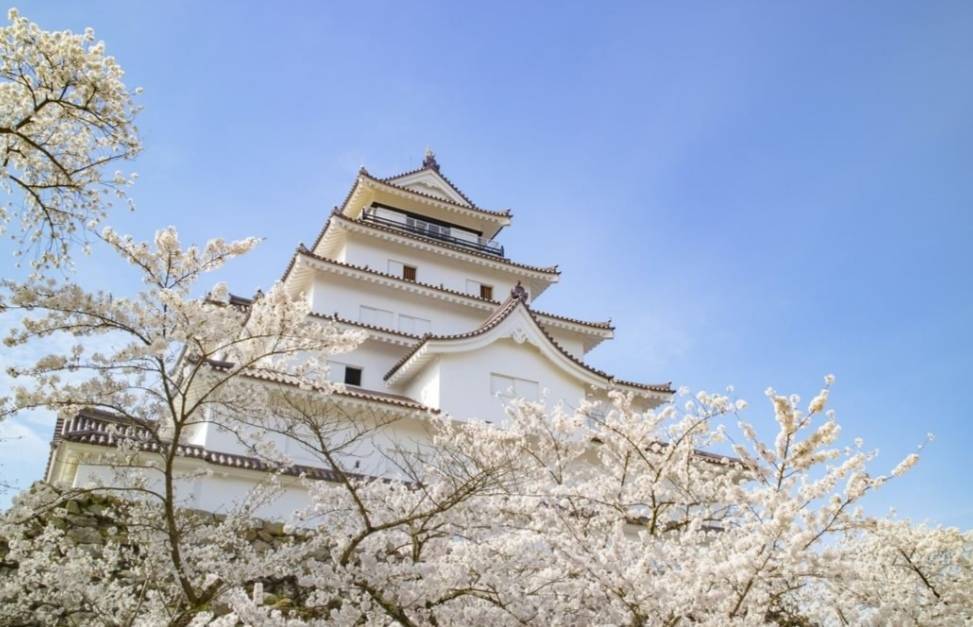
x=512 y=387
x=413 y=325
x=376 y=317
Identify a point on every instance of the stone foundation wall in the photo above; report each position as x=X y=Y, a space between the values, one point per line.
x=92 y=520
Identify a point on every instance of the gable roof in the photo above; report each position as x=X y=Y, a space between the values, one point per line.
x=364 y=176
x=429 y=171
x=517 y=302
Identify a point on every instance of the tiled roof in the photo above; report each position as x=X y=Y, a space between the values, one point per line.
x=387 y=181
x=655 y=387
x=302 y=250
x=341 y=264
x=362 y=394
x=349 y=392
x=607 y=325
x=706 y=456
x=99 y=429
x=433 y=167
x=506 y=213
x=370 y=327
x=438 y=242
x=496 y=318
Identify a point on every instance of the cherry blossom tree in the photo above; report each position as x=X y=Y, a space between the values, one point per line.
x=558 y=517
x=605 y=514
x=906 y=574
x=176 y=361
x=66 y=119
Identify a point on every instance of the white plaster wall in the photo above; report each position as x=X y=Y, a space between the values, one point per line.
x=374 y=358
x=332 y=293
x=89 y=474
x=219 y=438
x=433 y=268
x=425 y=387
x=221 y=493
x=233 y=438
x=465 y=379
x=225 y=489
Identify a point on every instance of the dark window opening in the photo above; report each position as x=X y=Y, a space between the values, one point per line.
x=486 y=291
x=352 y=376
x=417 y=216
x=409 y=273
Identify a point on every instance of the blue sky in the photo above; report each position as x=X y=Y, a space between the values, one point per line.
x=756 y=193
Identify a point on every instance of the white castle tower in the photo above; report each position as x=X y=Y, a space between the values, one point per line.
x=451 y=329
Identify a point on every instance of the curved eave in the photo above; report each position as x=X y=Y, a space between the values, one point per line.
x=501 y=217
x=493 y=221
x=353 y=396
x=381 y=334
x=89 y=432
x=431 y=345
x=304 y=263
x=539 y=278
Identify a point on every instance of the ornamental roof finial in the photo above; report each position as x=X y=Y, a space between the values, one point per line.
x=519 y=293
x=429 y=161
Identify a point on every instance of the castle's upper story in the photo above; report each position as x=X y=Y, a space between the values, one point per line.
x=413 y=261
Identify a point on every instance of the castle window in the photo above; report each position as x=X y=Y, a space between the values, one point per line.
x=353 y=376
x=479 y=289
x=376 y=317
x=343 y=373
x=397 y=268
x=511 y=387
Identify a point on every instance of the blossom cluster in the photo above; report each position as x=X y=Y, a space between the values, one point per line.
x=66 y=117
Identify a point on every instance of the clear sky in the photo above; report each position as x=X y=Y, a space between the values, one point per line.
x=755 y=193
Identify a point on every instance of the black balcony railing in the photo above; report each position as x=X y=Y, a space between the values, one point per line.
x=433 y=230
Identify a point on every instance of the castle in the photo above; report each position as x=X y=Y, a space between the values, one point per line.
x=451 y=329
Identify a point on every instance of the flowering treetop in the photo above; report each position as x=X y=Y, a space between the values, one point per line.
x=66 y=117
